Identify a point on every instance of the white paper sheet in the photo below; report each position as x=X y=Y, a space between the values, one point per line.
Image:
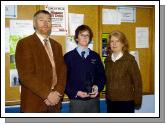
x=11 y=11
x=18 y=30
x=59 y=19
x=90 y=46
x=111 y=16
x=7 y=33
x=128 y=14
x=21 y=27
x=142 y=37
x=70 y=43
x=136 y=55
x=14 y=79
x=75 y=20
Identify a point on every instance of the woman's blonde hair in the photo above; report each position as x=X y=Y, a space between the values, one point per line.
x=121 y=36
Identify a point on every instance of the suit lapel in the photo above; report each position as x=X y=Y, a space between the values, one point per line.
x=40 y=48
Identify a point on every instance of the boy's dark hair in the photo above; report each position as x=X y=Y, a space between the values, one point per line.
x=83 y=28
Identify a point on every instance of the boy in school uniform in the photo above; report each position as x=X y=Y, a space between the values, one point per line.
x=85 y=74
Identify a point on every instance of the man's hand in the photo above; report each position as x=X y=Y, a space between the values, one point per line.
x=48 y=103
x=53 y=97
x=82 y=94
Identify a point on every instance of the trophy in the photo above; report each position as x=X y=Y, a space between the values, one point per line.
x=88 y=82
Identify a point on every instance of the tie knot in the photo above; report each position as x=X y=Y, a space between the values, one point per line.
x=82 y=54
x=45 y=40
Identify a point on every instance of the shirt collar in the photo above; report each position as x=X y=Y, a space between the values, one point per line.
x=80 y=49
x=41 y=38
x=116 y=57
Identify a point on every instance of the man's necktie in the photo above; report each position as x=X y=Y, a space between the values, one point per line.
x=50 y=54
x=83 y=55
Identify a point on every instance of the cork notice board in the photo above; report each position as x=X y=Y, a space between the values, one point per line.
x=93 y=18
